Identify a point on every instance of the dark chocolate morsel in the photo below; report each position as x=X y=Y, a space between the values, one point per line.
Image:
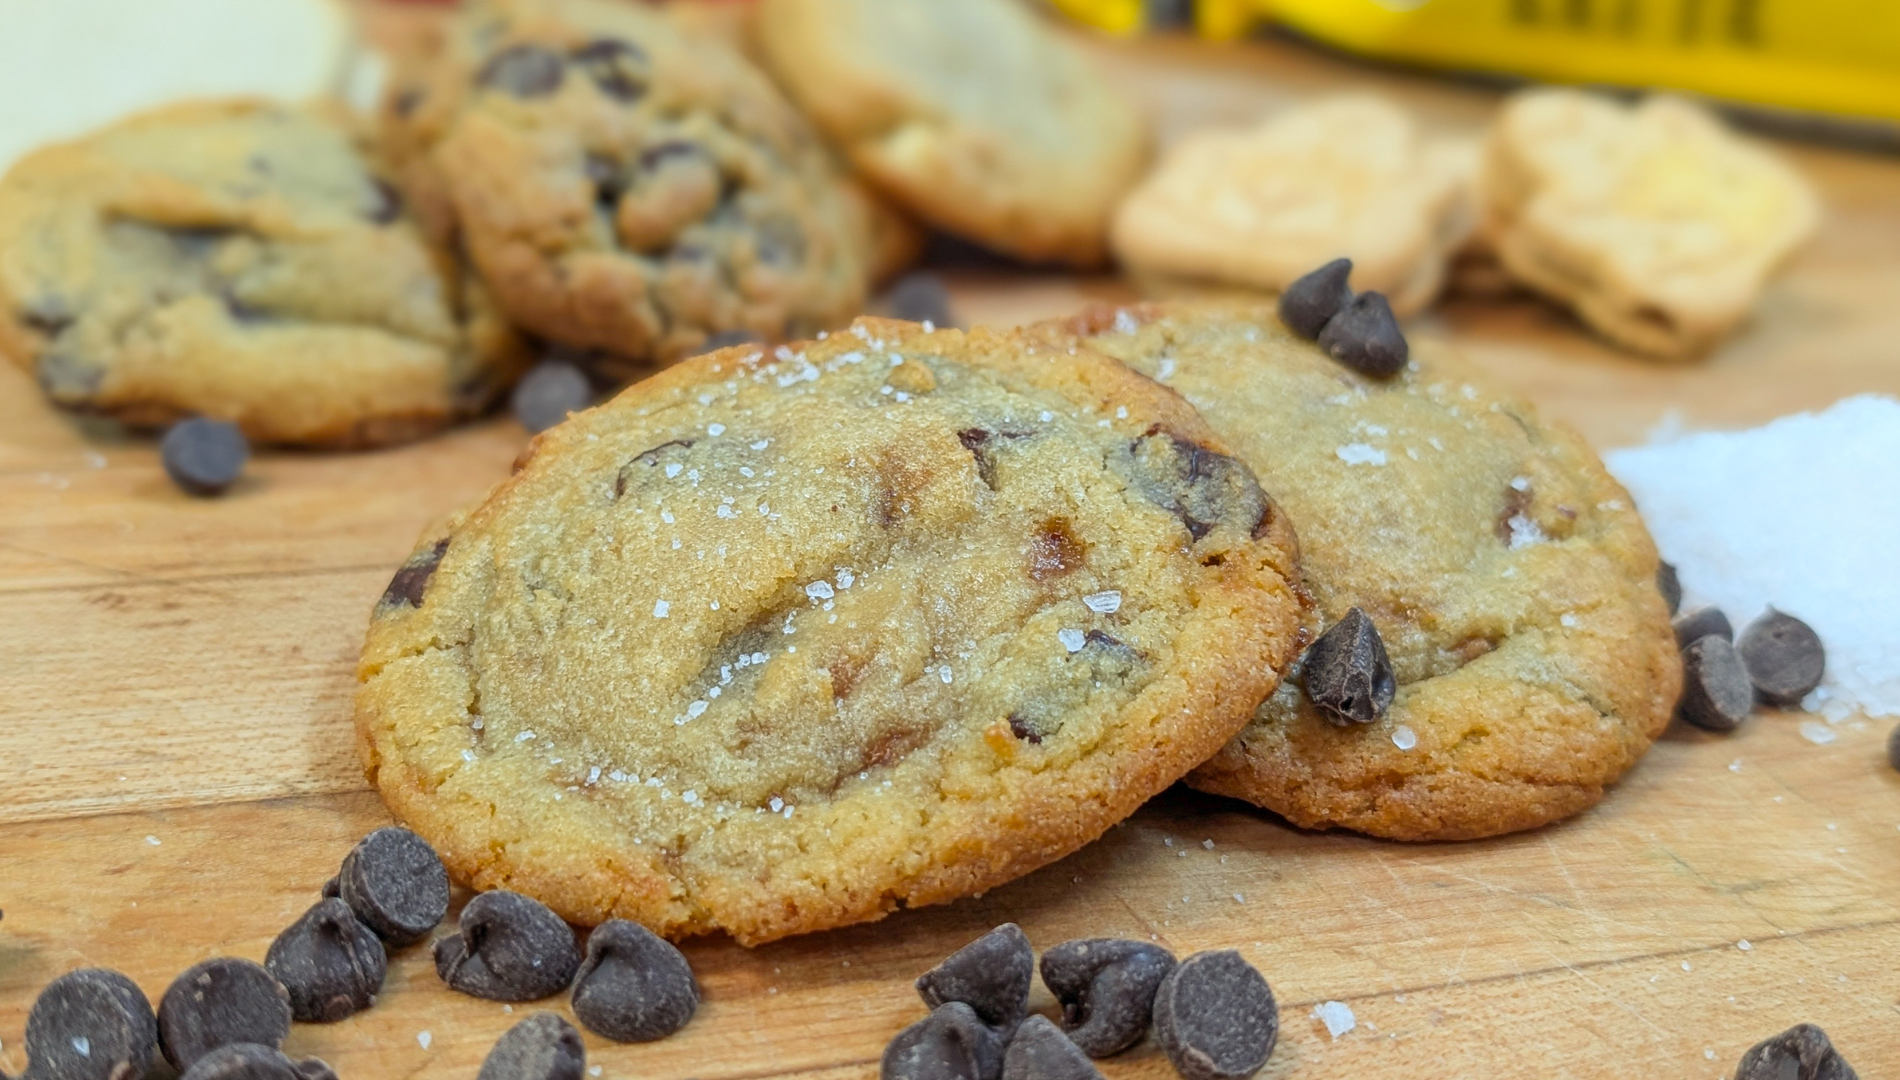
x=1365 y=337
x=523 y=71
x=218 y=1002
x=396 y=884
x=1200 y=486
x=1784 y=658
x=1107 y=990
x=991 y=975
x=1040 y=1051
x=547 y=394
x=919 y=296
x=385 y=203
x=509 y=947
x=1670 y=585
x=619 y=68
x=90 y=1024
x=331 y=964
x=254 y=1061
x=1694 y=625
x=542 y=1047
x=1802 y=1052
x=949 y=1044
x=1347 y=673
x=407 y=588
x=1716 y=694
x=1215 y=1017
x=1310 y=302
x=204 y=456
x=633 y=986
x=1893 y=747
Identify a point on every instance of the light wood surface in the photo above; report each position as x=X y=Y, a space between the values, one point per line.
x=176 y=777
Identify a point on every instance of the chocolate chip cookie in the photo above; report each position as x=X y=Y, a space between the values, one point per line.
x=627 y=188
x=241 y=261
x=1508 y=577
x=786 y=639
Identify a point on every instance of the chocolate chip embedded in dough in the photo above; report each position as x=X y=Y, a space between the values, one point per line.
x=1783 y=656
x=1716 y=694
x=621 y=69
x=523 y=71
x=409 y=586
x=1202 y=487
x=1311 y=301
x=1365 y=337
x=1347 y=672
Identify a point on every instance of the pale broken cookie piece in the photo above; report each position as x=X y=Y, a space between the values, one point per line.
x=783 y=640
x=1508 y=577
x=1344 y=177
x=245 y=262
x=974 y=116
x=1653 y=222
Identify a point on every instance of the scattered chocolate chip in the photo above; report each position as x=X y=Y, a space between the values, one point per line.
x=332 y=964
x=218 y=1002
x=253 y=1061
x=634 y=986
x=1200 y=486
x=385 y=203
x=991 y=975
x=1716 y=694
x=949 y=1044
x=1215 y=1017
x=90 y=1024
x=545 y=395
x=204 y=456
x=509 y=947
x=1671 y=587
x=1784 y=658
x=1040 y=1051
x=726 y=339
x=1347 y=672
x=1020 y=727
x=542 y=1047
x=919 y=296
x=619 y=68
x=408 y=587
x=1365 y=337
x=396 y=884
x=1700 y=623
x=333 y=887
x=1309 y=303
x=1107 y=990
x=1802 y=1052
x=523 y=71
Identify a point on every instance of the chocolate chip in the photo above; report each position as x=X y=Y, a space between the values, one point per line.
x=1215 y=1017
x=1802 y=1052
x=331 y=963
x=523 y=71
x=1893 y=747
x=218 y=1002
x=726 y=339
x=546 y=395
x=1716 y=694
x=1040 y=1051
x=49 y=314
x=1700 y=623
x=408 y=587
x=1347 y=672
x=780 y=242
x=1020 y=727
x=991 y=975
x=204 y=456
x=385 y=204
x=253 y=1061
x=90 y=1024
x=634 y=986
x=1107 y=990
x=542 y=1047
x=396 y=884
x=1671 y=587
x=919 y=297
x=949 y=1044
x=1365 y=337
x=509 y=948
x=1200 y=486
x=66 y=378
x=1784 y=658
x=619 y=68
x=1309 y=303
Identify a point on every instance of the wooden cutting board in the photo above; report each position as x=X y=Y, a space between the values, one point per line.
x=177 y=779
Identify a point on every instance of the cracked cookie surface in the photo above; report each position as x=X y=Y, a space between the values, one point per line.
x=783 y=640
x=1509 y=575
x=242 y=261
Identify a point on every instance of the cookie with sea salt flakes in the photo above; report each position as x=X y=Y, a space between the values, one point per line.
x=1525 y=658
x=779 y=641
x=1653 y=221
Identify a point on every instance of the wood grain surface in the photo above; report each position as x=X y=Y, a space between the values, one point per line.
x=177 y=779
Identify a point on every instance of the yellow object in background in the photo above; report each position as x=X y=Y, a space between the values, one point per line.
x=1831 y=56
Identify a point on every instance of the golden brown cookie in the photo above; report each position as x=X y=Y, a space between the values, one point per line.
x=780 y=641
x=242 y=261
x=972 y=115
x=1511 y=580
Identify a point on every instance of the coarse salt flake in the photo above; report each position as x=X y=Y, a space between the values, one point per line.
x=1104 y=603
x=1337 y=1016
x=660 y=608
x=1072 y=640
x=1744 y=945
x=819 y=590
x=1360 y=454
x=715 y=430
x=423 y=1039
x=1817 y=732
x=1524 y=532
x=1404 y=737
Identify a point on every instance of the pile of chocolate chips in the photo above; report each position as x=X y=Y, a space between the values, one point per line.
x=1777 y=661
x=1212 y=1013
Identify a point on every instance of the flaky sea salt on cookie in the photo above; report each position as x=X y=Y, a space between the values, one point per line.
x=1346 y=176
x=1654 y=222
x=780 y=641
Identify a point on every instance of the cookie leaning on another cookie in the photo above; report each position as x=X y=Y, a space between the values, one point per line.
x=973 y=115
x=241 y=261
x=777 y=642
x=1511 y=580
